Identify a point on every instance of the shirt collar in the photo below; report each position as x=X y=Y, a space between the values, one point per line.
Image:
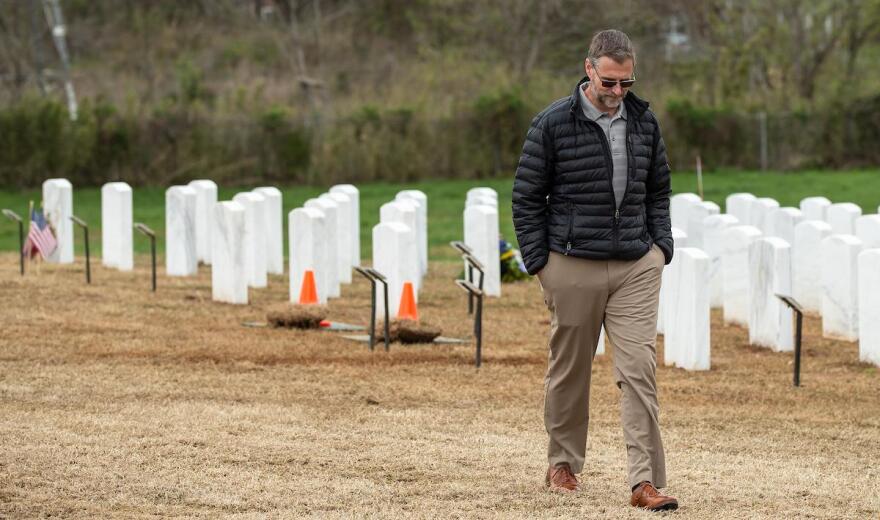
x=593 y=113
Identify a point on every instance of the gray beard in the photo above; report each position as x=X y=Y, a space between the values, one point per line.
x=610 y=101
x=606 y=100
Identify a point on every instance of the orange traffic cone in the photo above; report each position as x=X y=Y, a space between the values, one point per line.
x=308 y=295
x=408 y=309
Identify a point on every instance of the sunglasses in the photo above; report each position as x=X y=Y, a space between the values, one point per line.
x=624 y=83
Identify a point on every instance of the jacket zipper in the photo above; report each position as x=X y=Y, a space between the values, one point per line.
x=570 y=226
x=609 y=162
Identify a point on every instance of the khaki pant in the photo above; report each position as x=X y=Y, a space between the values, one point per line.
x=582 y=294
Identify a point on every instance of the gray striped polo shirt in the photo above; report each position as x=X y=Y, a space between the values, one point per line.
x=615 y=133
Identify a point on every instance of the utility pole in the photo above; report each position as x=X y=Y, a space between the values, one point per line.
x=55 y=20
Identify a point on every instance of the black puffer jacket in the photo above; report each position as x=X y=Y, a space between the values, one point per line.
x=563 y=199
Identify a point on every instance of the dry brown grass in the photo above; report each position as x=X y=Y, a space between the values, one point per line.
x=117 y=402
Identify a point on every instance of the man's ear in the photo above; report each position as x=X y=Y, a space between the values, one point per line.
x=587 y=66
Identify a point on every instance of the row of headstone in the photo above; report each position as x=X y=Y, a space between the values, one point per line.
x=188 y=219
x=400 y=247
x=751 y=256
x=822 y=253
x=685 y=291
x=190 y=224
x=687 y=212
x=324 y=239
x=249 y=227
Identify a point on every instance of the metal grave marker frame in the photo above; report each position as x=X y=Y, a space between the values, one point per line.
x=143 y=228
x=375 y=277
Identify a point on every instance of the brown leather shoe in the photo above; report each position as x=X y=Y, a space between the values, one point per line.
x=646 y=496
x=560 y=479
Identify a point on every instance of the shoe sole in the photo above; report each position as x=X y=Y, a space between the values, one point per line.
x=672 y=506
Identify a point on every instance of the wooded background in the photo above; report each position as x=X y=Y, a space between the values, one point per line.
x=322 y=91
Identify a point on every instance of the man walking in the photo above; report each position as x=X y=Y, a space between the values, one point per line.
x=591 y=212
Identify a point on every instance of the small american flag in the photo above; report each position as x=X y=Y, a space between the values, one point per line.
x=40 y=238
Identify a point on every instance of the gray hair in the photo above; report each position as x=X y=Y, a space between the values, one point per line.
x=612 y=43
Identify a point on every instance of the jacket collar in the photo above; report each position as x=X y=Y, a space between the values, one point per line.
x=634 y=104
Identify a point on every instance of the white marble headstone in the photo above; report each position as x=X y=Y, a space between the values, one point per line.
x=58 y=208
x=481 y=192
x=782 y=222
x=229 y=281
x=806 y=263
x=355 y=196
x=274 y=228
x=667 y=285
x=680 y=209
x=770 y=318
x=421 y=201
x=814 y=208
x=206 y=198
x=180 y=231
x=393 y=257
x=481 y=235
x=254 y=206
x=842 y=217
x=759 y=213
x=840 y=287
x=306 y=229
x=713 y=245
x=117 y=245
x=330 y=209
x=735 y=272
x=686 y=342
x=869 y=306
x=739 y=205
x=343 y=232
x=405 y=211
x=868 y=230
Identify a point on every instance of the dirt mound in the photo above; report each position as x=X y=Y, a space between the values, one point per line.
x=407 y=331
x=297 y=316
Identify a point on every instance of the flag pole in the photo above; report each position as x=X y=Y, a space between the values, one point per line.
x=40 y=256
x=30 y=223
